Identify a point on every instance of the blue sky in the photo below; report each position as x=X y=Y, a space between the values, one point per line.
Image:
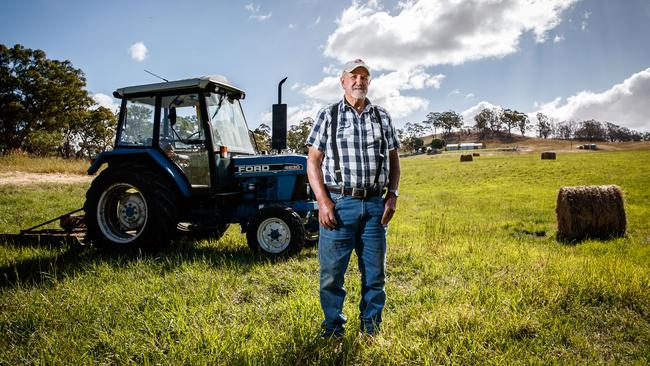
x=571 y=59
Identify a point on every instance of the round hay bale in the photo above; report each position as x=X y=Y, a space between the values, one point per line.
x=590 y=212
x=476 y=154
x=466 y=157
x=548 y=155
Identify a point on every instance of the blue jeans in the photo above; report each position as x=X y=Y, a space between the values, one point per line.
x=359 y=228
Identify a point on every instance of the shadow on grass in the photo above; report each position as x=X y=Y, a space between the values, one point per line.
x=67 y=259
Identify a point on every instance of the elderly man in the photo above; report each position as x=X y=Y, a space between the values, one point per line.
x=353 y=169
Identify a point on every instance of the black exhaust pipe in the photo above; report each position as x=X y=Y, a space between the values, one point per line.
x=279 y=122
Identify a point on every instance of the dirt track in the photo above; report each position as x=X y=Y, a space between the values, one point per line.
x=24 y=179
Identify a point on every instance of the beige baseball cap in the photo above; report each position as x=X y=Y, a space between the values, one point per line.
x=354 y=64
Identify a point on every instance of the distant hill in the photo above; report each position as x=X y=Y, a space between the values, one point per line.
x=525 y=143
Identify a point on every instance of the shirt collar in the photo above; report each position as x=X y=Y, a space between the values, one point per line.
x=344 y=103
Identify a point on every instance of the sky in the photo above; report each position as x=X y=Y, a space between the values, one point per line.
x=569 y=59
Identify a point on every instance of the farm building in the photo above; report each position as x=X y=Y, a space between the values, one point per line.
x=465 y=146
x=588 y=147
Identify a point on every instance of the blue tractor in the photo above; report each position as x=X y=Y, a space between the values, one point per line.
x=185 y=164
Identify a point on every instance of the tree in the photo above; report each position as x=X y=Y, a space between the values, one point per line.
x=42 y=101
x=262 y=136
x=495 y=124
x=450 y=120
x=437 y=143
x=619 y=133
x=412 y=143
x=433 y=121
x=482 y=121
x=544 y=126
x=565 y=130
x=414 y=129
x=591 y=130
x=297 y=135
x=97 y=132
x=514 y=119
x=646 y=136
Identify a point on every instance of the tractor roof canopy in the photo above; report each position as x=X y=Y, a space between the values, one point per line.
x=212 y=83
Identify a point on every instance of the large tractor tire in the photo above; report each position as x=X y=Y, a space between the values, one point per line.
x=130 y=208
x=276 y=232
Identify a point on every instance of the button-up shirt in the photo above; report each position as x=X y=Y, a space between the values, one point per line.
x=358 y=139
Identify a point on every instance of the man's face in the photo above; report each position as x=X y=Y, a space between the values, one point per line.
x=356 y=83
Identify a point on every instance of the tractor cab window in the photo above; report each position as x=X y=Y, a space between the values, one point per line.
x=229 y=126
x=137 y=129
x=182 y=136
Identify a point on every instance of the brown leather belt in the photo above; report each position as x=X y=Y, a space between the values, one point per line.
x=357 y=192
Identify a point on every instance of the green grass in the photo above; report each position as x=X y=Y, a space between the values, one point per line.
x=475 y=276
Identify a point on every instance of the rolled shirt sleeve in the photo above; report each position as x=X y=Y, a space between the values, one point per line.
x=318 y=135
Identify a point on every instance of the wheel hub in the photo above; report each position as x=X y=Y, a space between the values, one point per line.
x=273 y=235
x=132 y=211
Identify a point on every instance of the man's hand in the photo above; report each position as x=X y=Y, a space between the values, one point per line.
x=326 y=214
x=389 y=208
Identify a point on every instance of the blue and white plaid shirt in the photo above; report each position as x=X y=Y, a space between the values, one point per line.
x=359 y=143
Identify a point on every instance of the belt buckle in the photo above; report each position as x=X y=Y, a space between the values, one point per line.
x=359 y=192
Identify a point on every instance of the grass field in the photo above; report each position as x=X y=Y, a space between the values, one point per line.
x=475 y=276
x=18 y=161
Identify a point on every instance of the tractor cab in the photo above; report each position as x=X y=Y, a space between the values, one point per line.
x=197 y=123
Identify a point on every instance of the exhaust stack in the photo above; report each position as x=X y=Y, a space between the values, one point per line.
x=279 y=122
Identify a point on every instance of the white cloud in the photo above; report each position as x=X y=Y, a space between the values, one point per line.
x=625 y=104
x=260 y=17
x=327 y=90
x=558 y=38
x=585 y=17
x=458 y=92
x=385 y=90
x=138 y=51
x=331 y=70
x=292 y=26
x=297 y=86
x=296 y=113
x=254 y=9
x=106 y=101
x=471 y=112
x=434 y=32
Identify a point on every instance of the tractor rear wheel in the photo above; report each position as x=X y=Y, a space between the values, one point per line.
x=130 y=208
x=276 y=232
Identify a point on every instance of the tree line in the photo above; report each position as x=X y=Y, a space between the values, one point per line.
x=501 y=122
x=45 y=108
x=296 y=136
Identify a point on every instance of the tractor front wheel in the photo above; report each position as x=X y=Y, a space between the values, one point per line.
x=276 y=232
